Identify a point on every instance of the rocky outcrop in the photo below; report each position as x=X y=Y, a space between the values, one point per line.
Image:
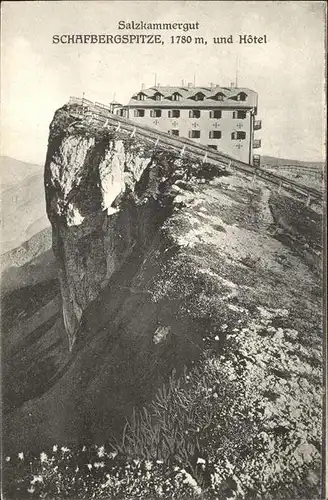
x=98 y=186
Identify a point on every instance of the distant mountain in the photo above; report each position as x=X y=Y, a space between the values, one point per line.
x=12 y=171
x=273 y=161
x=23 y=209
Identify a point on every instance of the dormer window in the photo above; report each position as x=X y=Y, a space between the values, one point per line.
x=141 y=96
x=158 y=96
x=176 y=96
x=199 y=96
x=241 y=96
x=219 y=96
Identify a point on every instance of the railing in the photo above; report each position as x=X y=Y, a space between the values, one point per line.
x=257 y=143
x=182 y=146
x=257 y=124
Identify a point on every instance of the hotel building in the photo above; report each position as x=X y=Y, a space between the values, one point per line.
x=221 y=118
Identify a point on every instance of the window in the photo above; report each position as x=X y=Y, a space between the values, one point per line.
x=241 y=96
x=176 y=96
x=141 y=96
x=158 y=96
x=212 y=146
x=199 y=96
x=215 y=134
x=216 y=113
x=194 y=134
x=219 y=96
x=139 y=112
x=238 y=135
x=174 y=132
x=155 y=113
x=174 y=113
x=194 y=113
x=241 y=115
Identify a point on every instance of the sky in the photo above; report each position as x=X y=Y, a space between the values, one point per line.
x=287 y=72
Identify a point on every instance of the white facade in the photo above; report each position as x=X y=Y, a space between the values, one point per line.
x=218 y=117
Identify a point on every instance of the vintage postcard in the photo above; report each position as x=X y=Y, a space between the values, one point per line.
x=162 y=250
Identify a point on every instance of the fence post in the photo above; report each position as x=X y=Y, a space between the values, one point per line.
x=205 y=158
x=182 y=151
x=133 y=133
x=308 y=201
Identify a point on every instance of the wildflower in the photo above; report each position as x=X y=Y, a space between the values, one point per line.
x=64 y=449
x=21 y=455
x=148 y=465
x=98 y=464
x=89 y=466
x=37 y=479
x=101 y=451
x=43 y=457
x=7 y=459
x=84 y=448
x=31 y=490
x=113 y=454
x=55 y=448
x=200 y=461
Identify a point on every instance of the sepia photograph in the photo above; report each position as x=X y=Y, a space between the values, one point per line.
x=163 y=228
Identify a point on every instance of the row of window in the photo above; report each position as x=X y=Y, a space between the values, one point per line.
x=213 y=134
x=199 y=96
x=193 y=113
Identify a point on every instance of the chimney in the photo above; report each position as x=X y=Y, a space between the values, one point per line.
x=189 y=85
x=142 y=86
x=182 y=83
x=212 y=85
x=158 y=85
x=232 y=85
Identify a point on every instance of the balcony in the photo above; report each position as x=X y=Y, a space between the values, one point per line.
x=257 y=143
x=257 y=125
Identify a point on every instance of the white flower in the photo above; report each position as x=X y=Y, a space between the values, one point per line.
x=98 y=464
x=200 y=461
x=37 y=479
x=21 y=455
x=101 y=451
x=43 y=457
x=31 y=490
x=64 y=449
x=89 y=466
x=7 y=459
x=55 y=447
x=113 y=454
x=148 y=465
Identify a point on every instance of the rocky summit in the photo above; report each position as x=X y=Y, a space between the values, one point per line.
x=178 y=343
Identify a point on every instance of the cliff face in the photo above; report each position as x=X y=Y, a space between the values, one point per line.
x=161 y=260
x=104 y=199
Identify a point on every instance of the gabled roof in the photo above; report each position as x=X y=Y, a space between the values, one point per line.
x=187 y=97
